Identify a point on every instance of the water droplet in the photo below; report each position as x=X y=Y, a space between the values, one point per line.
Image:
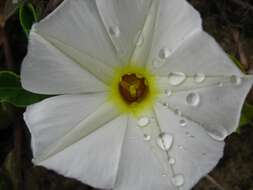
x=178 y=180
x=165 y=141
x=183 y=122
x=168 y=92
x=220 y=84
x=139 y=39
x=147 y=137
x=165 y=104
x=193 y=99
x=164 y=175
x=236 y=80
x=114 y=31
x=157 y=63
x=143 y=121
x=176 y=78
x=178 y=112
x=172 y=161
x=199 y=77
x=164 y=53
x=218 y=135
x=180 y=147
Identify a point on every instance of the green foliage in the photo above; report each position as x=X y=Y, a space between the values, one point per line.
x=27 y=16
x=12 y=92
x=247 y=114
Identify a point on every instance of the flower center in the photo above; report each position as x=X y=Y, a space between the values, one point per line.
x=133 y=88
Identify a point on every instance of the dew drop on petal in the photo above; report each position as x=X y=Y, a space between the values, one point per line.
x=218 y=135
x=236 y=80
x=178 y=112
x=147 y=137
x=157 y=63
x=168 y=92
x=114 y=31
x=165 y=141
x=172 y=161
x=164 y=53
x=143 y=121
x=220 y=84
x=181 y=147
x=165 y=104
x=178 y=180
x=176 y=78
x=199 y=77
x=182 y=122
x=193 y=99
x=139 y=39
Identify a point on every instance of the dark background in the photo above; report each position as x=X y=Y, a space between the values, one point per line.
x=230 y=22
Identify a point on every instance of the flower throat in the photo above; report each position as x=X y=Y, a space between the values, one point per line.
x=133 y=88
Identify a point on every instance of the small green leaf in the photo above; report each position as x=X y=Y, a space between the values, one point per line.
x=12 y=92
x=27 y=16
x=247 y=114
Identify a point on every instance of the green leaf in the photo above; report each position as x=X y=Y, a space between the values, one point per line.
x=27 y=16
x=12 y=92
x=247 y=114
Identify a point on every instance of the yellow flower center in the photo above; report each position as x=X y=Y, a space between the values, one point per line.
x=133 y=89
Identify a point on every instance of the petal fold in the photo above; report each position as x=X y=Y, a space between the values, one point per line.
x=200 y=53
x=193 y=153
x=77 y=24
x=124 y=22
x=177 y=21
x=215 y=105
x=93 y=160
x=46 y=70
x=102 y=115
x=51 y=119
x=143 y=165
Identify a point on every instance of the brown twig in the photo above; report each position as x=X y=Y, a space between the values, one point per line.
x=213 y=181
x=242 y=55
x=18 y=151
x=7 y=49
x=244 y=5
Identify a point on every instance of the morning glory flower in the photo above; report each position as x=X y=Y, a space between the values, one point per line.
x=144 y=98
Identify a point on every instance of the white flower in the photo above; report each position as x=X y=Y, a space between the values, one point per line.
x=148 y=96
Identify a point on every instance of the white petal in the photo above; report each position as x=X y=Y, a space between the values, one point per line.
x=143 y=46
x=177 y=21
x=129 y=17
x=215 y=105
x=51 y=119
x=77 y=24
x=199 y=53
x=142 y=164
x=94 y=159
x=102 y=115
x=46 y=70
x=194 y=153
